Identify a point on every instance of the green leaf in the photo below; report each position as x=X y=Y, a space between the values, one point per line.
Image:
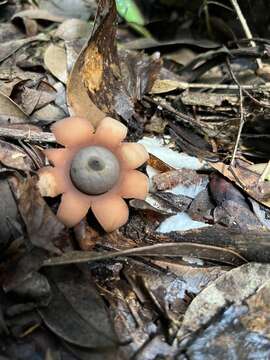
x=129 y=10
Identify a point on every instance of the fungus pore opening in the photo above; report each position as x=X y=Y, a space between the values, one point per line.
x=94 y=170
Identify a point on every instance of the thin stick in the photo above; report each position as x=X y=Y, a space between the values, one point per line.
x=27 y=135
x=183 y=85
x=242 y=118
x=245 y=28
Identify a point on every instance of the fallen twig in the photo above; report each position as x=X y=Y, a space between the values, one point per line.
x=183 y=85
x=245 y=28
x=242 y=118
x=27 y=135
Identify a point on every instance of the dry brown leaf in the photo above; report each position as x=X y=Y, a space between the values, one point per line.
x=32 y=99
x=55 y=60
x=37 y=14
x=94 y=86
x=158 y=164
x=10 y=108
x=101 y=72
x=79 y=102
x=14 y=80
x=261 y=169
x=246 y=179
x=234 y=287
x=42 y=226
x=13 y=156
x=73 y=29
x=48 y=114
x=171 y=178
x=10 y=225
x=10 y=47
x=114 y=82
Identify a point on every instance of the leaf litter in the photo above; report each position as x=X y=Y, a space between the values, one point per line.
x=187 y=276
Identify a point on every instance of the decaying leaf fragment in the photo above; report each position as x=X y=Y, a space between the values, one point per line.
x=233 y=287
x=79 y=102
x=170 y=179
x=101 y=72
x=10 y=47
x=43 y=227
x=251 y=182
x=10 y=226
x=77 y=313
x=13 y=156
x=113 y=83
x=96 y=76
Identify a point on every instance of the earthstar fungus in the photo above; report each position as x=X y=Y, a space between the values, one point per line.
x=95 y=170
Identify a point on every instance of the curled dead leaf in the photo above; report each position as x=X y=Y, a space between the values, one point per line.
x=95 y=86
x=78 y=99
x=37 y=14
